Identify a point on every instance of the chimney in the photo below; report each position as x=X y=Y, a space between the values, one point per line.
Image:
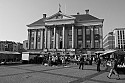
x=78 y=13
x=87 y=11
x=44 y=15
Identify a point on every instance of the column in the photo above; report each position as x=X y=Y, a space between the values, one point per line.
x=84 y=37
x=66 y=38
x=48 y=38
x=54 y=42
x=75 y=38
x=101 y=36
x=35 y=39
x=45 y=38
x=92 y=36
x=29 y=37
x=41 y=43
x=63 y=39
x=57 y=39
x=72 y=36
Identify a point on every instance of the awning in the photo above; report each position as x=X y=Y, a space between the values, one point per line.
x=99 y=52
x=109 y=51
x=8 y=52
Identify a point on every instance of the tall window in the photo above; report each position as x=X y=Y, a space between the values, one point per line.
x=87 y=31
x=96 y=44
x=70 y=38
x=79 y=44
x=32 y=45
x=88 y=44
x=60 y=32
x=120 y=34
x=96 y=30
x=79 y=37
x=79 y=31
x=32 y=39
x=38 y=39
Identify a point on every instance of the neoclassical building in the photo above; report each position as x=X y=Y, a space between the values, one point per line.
x=80 y=33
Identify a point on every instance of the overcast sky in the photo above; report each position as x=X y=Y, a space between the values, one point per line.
x=16 y=14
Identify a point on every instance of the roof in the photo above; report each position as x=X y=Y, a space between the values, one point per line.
x=84 y=17
x=40 y=22
x=119 y=28
x=78 y=17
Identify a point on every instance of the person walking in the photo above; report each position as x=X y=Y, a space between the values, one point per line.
x=81 y=64
x=113 y=69
x=98 y=64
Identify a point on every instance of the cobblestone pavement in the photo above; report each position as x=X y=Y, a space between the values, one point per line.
x=31 y=73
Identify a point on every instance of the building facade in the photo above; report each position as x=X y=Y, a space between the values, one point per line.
x=25 y=44
x=11 y=46
x=119 y=34
x=118 y=38
x=109 y=41
x=66 y=33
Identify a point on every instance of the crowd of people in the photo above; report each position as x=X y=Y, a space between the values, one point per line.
x=81 y=60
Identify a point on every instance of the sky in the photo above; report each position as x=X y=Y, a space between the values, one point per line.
x=16 y=14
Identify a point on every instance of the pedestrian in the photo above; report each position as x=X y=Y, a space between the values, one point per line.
x=81 y=64
x=98 y=64
x=113 y=69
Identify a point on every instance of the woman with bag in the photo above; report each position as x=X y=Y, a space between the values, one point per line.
x=113 y=70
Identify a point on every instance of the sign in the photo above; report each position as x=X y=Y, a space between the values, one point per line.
x=45 y=50
x=70 y=50
x=52 y=50
x=61 y=50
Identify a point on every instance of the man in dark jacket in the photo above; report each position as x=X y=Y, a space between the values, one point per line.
x=98 y=64
x=81 y=64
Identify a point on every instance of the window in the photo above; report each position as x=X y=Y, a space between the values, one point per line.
x=120 y=34
x=87 y=31
x=79 y=44
x=38 y=45
x=79 y=31
x=70 y=38
x=88 y=44
x=96 y=30
x=79 y=37
x=32 y=45
x=60 y=32
x=32 y=34
x=38 y=36
x=52 y=32
x=70 y=44
x=70 y=32
x=96 y=44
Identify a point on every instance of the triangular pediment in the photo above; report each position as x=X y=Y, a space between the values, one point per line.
x=59 y=16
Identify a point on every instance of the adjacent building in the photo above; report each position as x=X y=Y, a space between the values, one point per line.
x=117 y=39
x=62 y=33
x=10 y=51
x=11 y=46
x=109 y=41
